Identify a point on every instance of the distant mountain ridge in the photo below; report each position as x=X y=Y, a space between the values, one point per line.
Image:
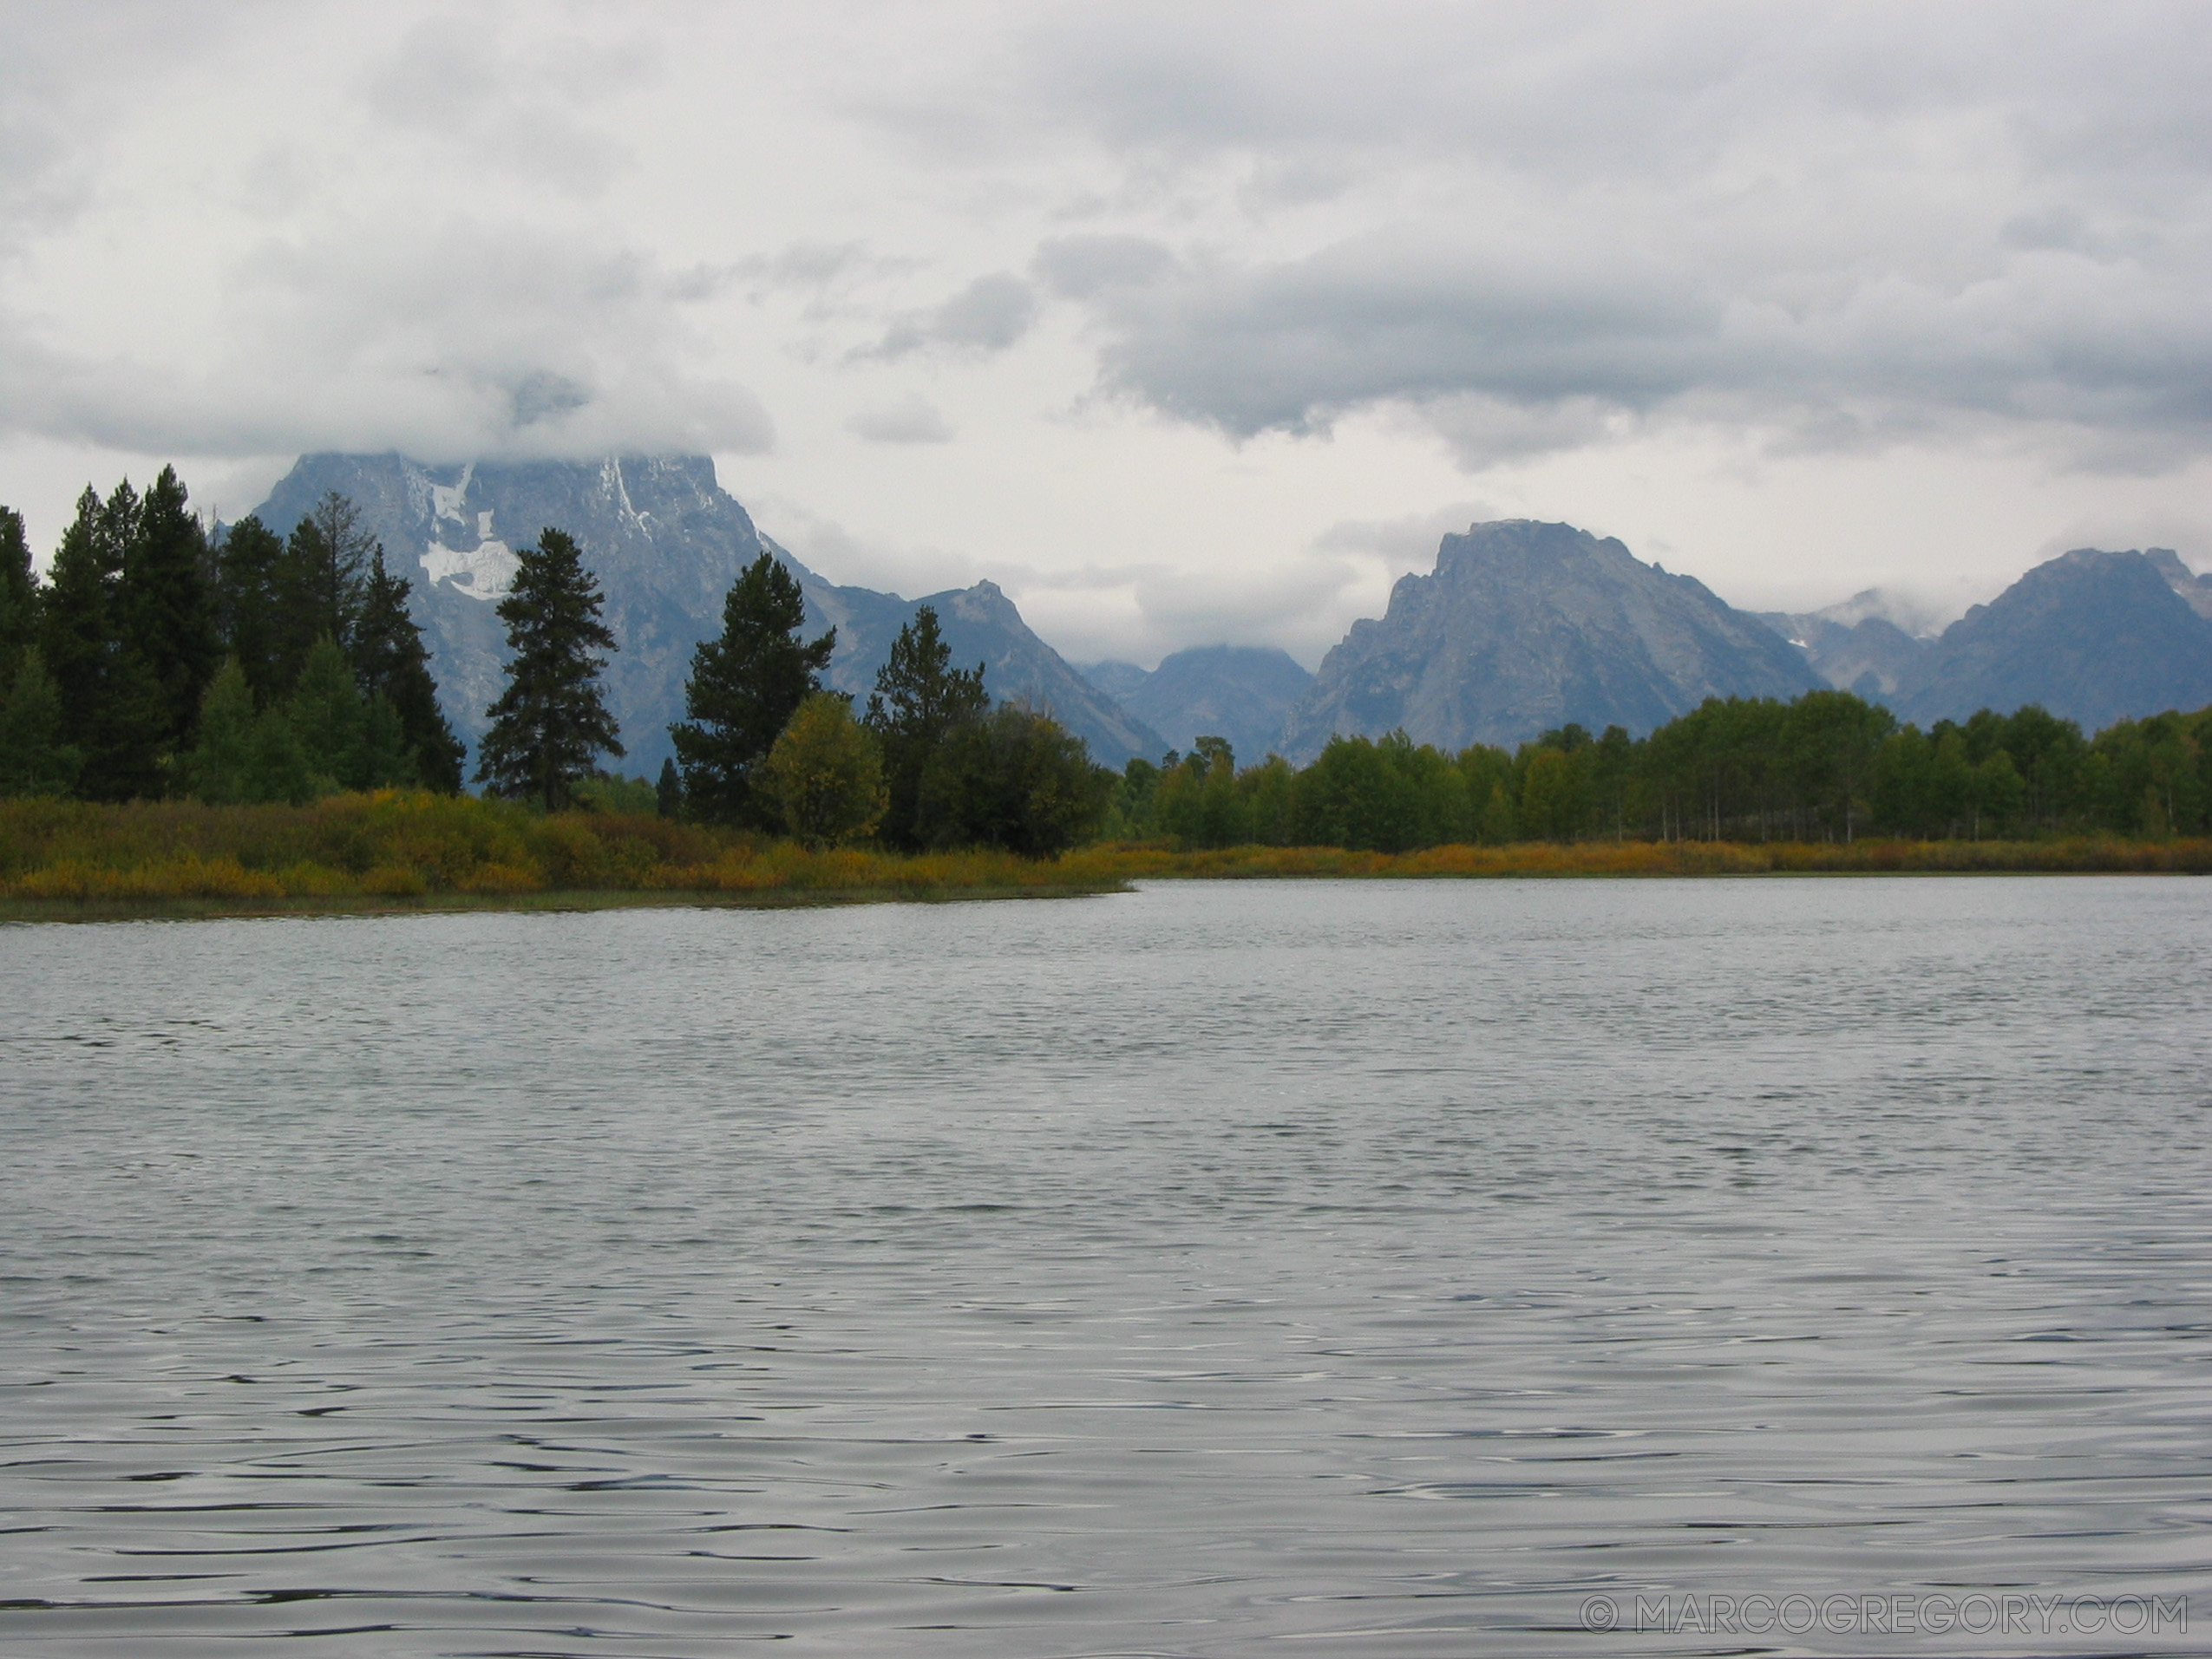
x=1852 y=645
x=666 y=541
x=2093 y=636
x=1237 y=692
x=1522 y=626
x=1526 y=626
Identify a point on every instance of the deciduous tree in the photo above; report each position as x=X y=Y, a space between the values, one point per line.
x=825 y=772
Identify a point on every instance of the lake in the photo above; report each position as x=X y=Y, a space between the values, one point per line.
x=1362 y=1268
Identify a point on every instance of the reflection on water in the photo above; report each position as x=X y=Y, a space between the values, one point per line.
x=1395 y=1266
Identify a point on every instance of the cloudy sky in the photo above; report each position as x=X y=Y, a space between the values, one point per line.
x=1184 y=322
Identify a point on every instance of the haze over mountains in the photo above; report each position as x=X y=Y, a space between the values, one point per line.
x=1522 y=626
x=1238 y=692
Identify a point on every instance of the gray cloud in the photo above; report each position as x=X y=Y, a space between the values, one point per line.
x=1839 y=226
x=499 y=341
x=465 y=82
x=913 y=419
x=1515 y=350
x=989 y=314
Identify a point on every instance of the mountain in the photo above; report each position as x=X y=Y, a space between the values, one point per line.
x=1120 y=680
x=1852 y=645
x=1240 y=692
x=2094 y=637
x=979 y=624
x=1527 y=626
x=665 y=541
x=2195 y=588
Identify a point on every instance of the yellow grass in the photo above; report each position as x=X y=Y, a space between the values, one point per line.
x=404 y=850
x=1128 y=861
x=395 y=850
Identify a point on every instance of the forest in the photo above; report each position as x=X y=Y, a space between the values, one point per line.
x=1828 y=766
x=253 y=668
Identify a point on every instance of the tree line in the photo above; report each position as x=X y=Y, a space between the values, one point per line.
x=155 y=660
x=1827 y=766
x=930 y=763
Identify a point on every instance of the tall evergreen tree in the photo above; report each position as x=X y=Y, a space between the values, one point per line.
x=393 y=664
x=552 y=721
x=920 y=699
x=112 y=710
x=18 y=593
x=329 y=554
x=328 y=719
x=744 y=688
x=249 y=604
x=169 y=610
x=215 y=769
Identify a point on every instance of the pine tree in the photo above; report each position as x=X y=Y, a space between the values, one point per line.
x=668 y=793
x=393 y=664
x=112 y=712
x=168 y=614
x=551 y=721
x=18 y=593
x=920 y=698
x=327 y=718
x=215 y=770
x=249 y=604
x=34 y=760
x=744 y=688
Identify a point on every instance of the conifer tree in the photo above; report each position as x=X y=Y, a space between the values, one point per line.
x=744 y=688
x=215 y=770
x=18 y=593
x=668 y=793
x=552 y=721
x=327 y=718
x=326 y=562
x=249 y=604
x=394 y=666
x=169 y=610
x=920 y=698
x=112 y=712
x=34 y=759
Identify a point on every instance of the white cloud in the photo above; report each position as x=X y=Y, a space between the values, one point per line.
x=1788 y=294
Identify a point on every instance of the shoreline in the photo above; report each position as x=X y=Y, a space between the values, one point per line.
x=782 y=878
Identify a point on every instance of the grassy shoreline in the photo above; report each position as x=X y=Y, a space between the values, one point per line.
x=400 y=854
x=2077 y=855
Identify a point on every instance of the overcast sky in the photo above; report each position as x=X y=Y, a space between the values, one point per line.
x=1183 y=322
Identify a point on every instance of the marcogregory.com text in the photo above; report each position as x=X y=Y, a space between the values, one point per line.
x=1971 y=1613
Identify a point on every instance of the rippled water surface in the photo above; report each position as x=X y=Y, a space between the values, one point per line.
x=1393 y=1266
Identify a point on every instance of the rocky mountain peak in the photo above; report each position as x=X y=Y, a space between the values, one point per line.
x=1526 y=626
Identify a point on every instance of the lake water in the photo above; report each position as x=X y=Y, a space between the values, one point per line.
x=1375 y=1268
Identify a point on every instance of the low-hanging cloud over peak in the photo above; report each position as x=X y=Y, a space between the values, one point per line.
x=1513 y=348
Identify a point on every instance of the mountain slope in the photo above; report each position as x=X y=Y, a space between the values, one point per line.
x=1240 y=692
x=1527 y=626
x=1871 y=656
x=665 y=541
x=2093 y=636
